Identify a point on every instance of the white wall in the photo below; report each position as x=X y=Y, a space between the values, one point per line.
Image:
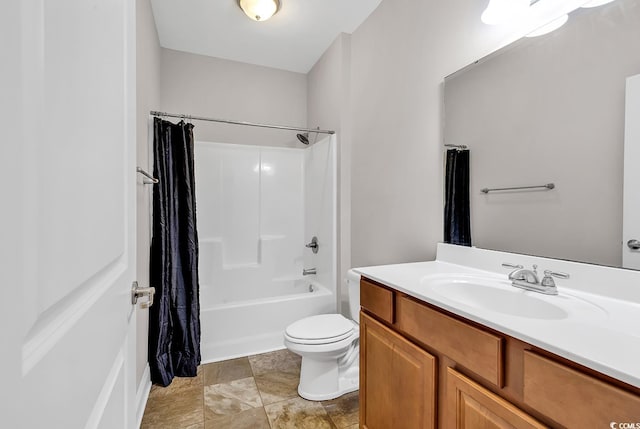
x=147 y=98
x=213 y=87
x=400 y=56
x=328 y=101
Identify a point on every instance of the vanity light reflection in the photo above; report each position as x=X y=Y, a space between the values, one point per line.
x=501 y=11
x=526 y=12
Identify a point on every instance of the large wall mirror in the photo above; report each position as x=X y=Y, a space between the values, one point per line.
x=550 y=109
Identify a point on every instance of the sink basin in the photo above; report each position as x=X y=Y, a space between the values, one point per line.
x=498 y=296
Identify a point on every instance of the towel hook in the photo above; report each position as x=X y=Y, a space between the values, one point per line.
x=149 y=179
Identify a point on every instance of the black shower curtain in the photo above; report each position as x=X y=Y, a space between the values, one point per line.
x=457 y=217
x=174 y=318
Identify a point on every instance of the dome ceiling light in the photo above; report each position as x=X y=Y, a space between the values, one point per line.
x=259 y=10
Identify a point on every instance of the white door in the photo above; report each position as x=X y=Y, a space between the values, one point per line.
x=631 y=205
x=68 y=183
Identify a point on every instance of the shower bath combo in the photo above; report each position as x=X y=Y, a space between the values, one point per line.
x=267 y=239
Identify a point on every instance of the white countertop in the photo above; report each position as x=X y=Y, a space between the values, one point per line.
x=606 y=340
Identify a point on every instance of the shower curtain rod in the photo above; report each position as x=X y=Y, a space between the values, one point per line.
x=226 y=121
x=457 y=146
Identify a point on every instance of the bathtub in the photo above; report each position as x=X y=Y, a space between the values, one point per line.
x=236 y=327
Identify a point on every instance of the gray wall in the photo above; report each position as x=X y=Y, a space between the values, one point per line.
x=400 y=56
x=328 y=102
x=147 y=98
x=213 y=87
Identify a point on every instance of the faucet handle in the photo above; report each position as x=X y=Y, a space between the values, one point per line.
x=313 y=245
x=548 y=277
x=556 y=274
x=508 y=265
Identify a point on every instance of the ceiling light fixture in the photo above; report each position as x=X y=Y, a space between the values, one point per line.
x=259 y=10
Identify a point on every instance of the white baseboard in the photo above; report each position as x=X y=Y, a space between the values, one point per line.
x=142 y=394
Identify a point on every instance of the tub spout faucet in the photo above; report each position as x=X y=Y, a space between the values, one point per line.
x=308 y=271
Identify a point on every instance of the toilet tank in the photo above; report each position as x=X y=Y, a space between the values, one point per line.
x=353 y=287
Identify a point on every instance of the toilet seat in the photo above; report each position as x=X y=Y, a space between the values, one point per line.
x=320 y=329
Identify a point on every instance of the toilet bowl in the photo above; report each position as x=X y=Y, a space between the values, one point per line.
x=329 y=346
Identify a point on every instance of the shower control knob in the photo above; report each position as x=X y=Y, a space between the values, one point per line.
x=633 y=244
x=313 y=245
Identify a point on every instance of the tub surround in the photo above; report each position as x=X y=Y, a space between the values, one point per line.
x=257 y=208
x=606 y=340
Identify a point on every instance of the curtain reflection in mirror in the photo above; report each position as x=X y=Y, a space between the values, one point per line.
x=457 y=216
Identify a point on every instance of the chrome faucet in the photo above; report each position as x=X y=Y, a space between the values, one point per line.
x=528 y=279
x=308 y=271
x=521 y=274
x=313 y=245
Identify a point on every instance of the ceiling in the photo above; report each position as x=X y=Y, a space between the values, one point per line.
x=293 y=39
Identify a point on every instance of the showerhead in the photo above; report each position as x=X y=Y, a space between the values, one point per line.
x=304 y=138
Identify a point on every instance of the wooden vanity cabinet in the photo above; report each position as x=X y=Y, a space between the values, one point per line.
x=422 y=367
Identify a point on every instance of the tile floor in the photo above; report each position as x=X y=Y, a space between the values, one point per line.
x=255 y=392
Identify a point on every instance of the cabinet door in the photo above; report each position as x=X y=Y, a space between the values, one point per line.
x=573 y=399
x=397 y=380
x=470 y=406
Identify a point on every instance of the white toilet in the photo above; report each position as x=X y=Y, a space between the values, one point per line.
x=329 y=346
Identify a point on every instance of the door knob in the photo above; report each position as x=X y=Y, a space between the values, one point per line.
x=137 y=292
x=633 y=244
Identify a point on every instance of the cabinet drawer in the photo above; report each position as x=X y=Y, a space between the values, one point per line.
x=574 y=399
x=377 y=300
x=477 y=350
